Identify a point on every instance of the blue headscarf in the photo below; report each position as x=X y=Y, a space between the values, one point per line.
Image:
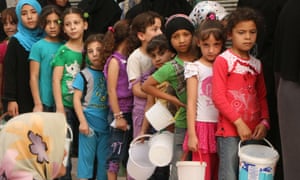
x=27 y=37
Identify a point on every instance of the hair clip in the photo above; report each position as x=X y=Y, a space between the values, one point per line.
x=211 y=16
x=59 y=21
x=86 y=15
x=111 y=29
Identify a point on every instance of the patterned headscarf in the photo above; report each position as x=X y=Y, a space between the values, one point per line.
x=32 y=146
x=27 y=37
x=204 y=8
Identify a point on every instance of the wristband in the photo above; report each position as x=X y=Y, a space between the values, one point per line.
x=266 y=123
x=118 y=115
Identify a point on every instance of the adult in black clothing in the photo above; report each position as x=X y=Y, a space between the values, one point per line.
x=269 y=9
x=165 y=8
x=61 y=4
x=102 y=14
x=287 y=65
x=16 y=64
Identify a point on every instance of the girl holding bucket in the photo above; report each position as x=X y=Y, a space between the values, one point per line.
x=201 y=113
x=239 y=92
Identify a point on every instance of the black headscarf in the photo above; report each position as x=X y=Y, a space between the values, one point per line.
x=165 y=8
x=287 y=42
x=102 y=14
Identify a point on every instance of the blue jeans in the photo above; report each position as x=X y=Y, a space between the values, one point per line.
x=228 y=155
x=119 y=142
x=179 y=135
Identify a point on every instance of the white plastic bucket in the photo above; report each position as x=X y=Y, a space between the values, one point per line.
x=139 y=166
x=191 y=170
x=161 y=148
x=159 y=116
x=257 y=162
x=67 y=145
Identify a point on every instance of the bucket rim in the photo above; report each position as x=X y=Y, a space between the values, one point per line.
x=191 y=163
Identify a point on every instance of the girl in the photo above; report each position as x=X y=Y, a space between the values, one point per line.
x=120 y=97
x=16 y=65
x=41 y=55
x=201 y=112
x=179 y=32
x=90 y=104
x=144 y=27
x=239 y=92
x=9 y=20
x=66 y=63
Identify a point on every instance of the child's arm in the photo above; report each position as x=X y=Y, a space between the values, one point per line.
x=146 y=124
x=57 y=77
x=149 y=86
x=83 y=126
x=192 y=85
x=34 y=86
x=137 y=90
x=112 y=79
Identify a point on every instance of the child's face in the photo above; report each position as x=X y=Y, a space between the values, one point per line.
x=29 y=17
x=160 y=57
x=9 y=27
x=93 y=53
x=210 y=48
x=74 y=26
x=151 y=31
x=243 y=36
x=52 y=27
x=181 y=40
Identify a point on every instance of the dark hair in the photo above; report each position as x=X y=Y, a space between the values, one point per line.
x=139 y=24
x=243 y=14
x=62 y=8
x=208 y=27
x=115 y=36
x=159 y=43
x=47 y=10
x=73 y=10
x=93 y=38
x=9 y=12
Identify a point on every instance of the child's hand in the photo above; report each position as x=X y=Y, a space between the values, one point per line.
x=121 y=123
x=84 y=128
x=38 y=108
x=193 y=143
x=243 y=130
x=176 y=102
x=13 y=108
x=260 y=131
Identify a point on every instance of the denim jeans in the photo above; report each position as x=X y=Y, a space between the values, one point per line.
x=119 y=142
x=179 y=135
x=228 y=154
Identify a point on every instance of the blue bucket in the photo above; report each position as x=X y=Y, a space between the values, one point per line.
x=257 y=162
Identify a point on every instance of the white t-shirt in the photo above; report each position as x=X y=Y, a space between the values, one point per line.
x=138 y=63
x=206 y=111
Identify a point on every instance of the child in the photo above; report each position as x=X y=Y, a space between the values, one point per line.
x=41 y=55
x=9 y=20
x=239 y=92
x=66 y=63
x=16 y=65
x=159 y=51
x=143 y=28
x=179 y=32
x=116 y=49
x=201 y=112
x=90 y=104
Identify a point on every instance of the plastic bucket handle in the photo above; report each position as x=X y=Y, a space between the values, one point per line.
x=185 y=153
x=268 y=142
x=136 y=140
x=71 y=132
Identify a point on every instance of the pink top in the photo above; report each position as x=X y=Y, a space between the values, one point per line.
x=238 y=91
x=3 y=47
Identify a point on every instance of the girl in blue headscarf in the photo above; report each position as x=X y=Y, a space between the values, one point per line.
x=17 y=95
